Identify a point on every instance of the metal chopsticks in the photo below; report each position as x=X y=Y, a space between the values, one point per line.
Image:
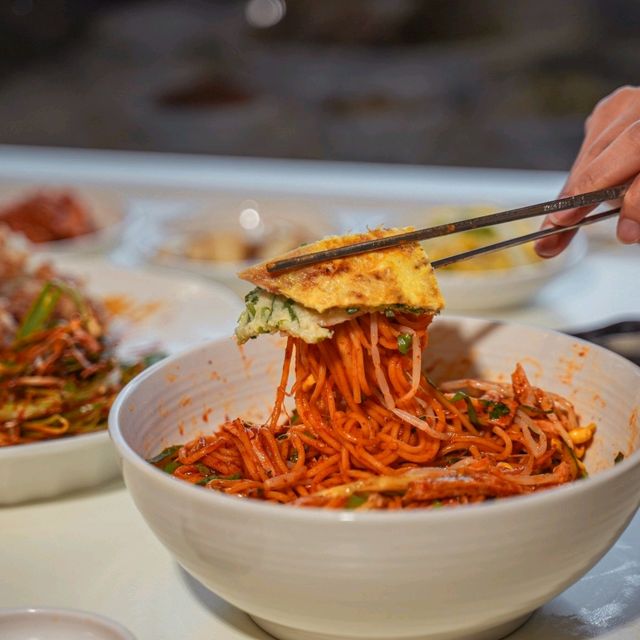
x=529 y=237
x=521 y=213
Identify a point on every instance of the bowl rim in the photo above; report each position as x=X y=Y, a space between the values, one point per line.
x=216 y=499
x=66 y=444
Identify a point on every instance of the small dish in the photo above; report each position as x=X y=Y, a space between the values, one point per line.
x=44 y=623
x=219 y=237
x=104 y=207
x=177 y=311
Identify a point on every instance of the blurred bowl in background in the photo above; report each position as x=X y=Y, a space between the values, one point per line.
x=518 y=285
x=506 y=278
x=63 y=219
x=221 y=236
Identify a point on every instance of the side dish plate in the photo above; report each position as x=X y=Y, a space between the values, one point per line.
x=158 y=311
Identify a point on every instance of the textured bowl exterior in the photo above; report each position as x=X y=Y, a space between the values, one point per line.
x=467 y=572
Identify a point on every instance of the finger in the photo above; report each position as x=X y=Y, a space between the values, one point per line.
x=595 y=145
x=629 y=222
x=616 y=164
x=607 y=109
x=588 y=153
x=603 y=126
x=624 y=101
x=553 y=245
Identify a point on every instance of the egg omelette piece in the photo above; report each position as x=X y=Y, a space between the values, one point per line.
x=399 y=275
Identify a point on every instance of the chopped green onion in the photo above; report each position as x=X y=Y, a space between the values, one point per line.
x=270 y=309
x=252 y=296
x=165 y=453
x=404 y=343
x=529 y=408
x=352 y=310
x=172 y=466
x=289 y=306
x=471 y=410
x=496 y=409
x=41 y=310
x=354 y=501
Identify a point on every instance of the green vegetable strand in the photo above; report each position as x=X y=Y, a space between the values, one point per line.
x=40 y=312
x=405 y=340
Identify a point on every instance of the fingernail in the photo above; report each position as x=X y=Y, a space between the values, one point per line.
x=628 y=231
x=547 y=247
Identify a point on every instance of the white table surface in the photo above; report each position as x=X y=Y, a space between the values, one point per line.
x=93 y=551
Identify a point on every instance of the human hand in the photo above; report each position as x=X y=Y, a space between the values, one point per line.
x=610 y=155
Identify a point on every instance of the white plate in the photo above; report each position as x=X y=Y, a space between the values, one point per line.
x=58 y=624
x=179 y=311
x=161 y=238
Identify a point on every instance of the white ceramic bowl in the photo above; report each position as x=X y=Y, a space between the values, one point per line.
x=58 y=624
x=474 y=290
x=189 y=311
x=466 y=572
x=492 y=289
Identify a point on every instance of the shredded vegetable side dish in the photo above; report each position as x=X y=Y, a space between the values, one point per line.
x=58 y=372
x=368 y=429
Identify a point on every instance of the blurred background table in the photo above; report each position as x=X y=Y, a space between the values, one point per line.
x=92 y=551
